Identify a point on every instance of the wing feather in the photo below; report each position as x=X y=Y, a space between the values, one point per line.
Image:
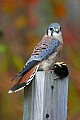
x=44 y=48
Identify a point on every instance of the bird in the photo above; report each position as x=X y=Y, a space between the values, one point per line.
x=45 y=53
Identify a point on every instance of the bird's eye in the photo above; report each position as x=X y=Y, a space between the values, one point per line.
x=51 y=29
x=57 y=31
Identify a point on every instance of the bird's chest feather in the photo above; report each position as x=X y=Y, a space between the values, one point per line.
x=45 y=64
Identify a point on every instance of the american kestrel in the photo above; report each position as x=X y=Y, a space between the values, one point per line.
x=43 y=56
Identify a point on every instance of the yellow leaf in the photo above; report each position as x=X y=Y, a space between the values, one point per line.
x=21 y=22
x=8 y=6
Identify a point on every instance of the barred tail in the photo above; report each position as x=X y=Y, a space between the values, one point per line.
x=25 y=80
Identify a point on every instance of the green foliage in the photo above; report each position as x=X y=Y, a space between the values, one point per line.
x=73 y=100
x=3 y=49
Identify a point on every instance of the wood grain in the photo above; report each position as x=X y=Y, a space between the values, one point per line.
x=46 y=98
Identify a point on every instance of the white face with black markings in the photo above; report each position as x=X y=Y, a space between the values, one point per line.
x=54 y=30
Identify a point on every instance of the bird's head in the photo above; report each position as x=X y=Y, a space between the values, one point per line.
x=54 y=30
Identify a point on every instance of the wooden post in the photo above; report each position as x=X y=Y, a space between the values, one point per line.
x=46 y=98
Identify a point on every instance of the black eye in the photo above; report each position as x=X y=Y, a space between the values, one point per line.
x=51 y=29
x=57 y=31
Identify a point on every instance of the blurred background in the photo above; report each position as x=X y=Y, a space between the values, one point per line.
x=22 y=23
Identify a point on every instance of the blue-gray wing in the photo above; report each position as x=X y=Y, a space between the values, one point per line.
x=42 y=52
x=43 y=49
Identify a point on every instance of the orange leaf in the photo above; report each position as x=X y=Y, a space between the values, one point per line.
x=60 y=10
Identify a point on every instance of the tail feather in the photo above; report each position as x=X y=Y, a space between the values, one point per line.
x=17 y=87
x=26 y=68
x=25 y=80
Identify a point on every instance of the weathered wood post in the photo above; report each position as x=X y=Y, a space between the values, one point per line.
x=46 y=98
